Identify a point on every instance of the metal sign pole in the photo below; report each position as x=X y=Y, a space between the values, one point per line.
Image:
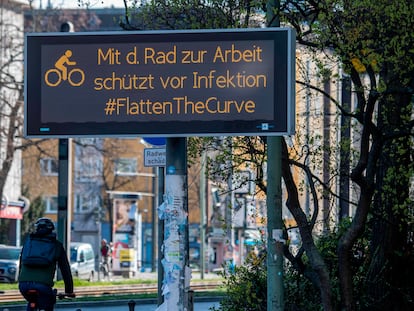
x=65 y=180
x=64 y=192
x=275 y=293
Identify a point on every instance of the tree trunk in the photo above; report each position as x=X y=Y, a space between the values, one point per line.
x=390 y=276
x=345 y=245
x=363 y=175
x=315 y=258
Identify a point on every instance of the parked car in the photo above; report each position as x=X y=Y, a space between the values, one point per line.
x=9 y=263
x=82 y=260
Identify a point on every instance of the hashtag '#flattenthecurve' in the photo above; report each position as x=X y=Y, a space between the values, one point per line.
x=110 y=106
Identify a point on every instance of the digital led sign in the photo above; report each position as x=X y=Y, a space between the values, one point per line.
x=166 y=83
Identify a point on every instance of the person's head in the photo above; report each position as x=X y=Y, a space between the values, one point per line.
x=44 y=226
x=103 y=242
x=68 y=53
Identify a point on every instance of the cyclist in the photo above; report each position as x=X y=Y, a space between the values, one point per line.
x=105 y=254
x=40 y=278
x=64 y=61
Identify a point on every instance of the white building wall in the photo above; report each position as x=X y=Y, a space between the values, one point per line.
x=316 y=143
x=11 y=84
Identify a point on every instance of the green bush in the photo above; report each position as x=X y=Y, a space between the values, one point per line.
x=301 y=294
x=245 y=286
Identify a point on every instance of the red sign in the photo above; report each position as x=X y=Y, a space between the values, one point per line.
x=11 y=212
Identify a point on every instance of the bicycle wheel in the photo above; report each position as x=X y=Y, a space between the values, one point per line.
x=53 y=77
x=76 y=77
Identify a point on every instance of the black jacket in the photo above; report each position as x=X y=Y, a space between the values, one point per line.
x=45 y=275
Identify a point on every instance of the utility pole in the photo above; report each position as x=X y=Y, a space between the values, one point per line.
x=64 y=192
x=203 y=208
x=175 y=215
x=275 y=294
x=160 y=235
x=154 y=221
x=99 y=217
x=275 y=297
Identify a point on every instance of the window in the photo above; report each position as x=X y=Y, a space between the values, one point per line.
x=49 y=167
x=51 y=203
x=126 y=166
x=86 y=202
x=88 y=159
x=88 y=168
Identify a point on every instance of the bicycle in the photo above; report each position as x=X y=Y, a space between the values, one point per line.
x=33 y=294
x=104 y=268
x=53 y=77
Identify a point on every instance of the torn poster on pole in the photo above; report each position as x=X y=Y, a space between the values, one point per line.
x=175 y=217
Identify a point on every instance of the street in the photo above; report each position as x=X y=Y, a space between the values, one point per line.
x=204 y=304
x=201 y=303
x=123 y=306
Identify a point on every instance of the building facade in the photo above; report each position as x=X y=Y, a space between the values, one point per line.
x=11 y=117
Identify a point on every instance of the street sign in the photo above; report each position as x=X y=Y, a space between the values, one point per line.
x=155 y=157
x=160 y=84
x=155 y=141
x=11 y=210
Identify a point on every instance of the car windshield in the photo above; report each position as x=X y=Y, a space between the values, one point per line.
x=9 y=253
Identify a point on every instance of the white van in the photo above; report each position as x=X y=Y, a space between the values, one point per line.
x=82 y=260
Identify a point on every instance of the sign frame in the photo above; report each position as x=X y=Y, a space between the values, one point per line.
x=38 y=104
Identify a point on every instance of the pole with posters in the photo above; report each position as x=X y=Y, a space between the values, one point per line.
x=174 y=213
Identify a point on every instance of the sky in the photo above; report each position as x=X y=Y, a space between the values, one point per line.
x=71 y=4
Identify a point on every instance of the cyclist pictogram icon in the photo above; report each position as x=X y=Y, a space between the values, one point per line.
x=54 y=76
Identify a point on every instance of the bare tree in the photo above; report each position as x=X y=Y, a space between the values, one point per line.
x=11 y=99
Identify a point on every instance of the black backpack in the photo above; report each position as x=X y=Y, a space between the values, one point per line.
x=39 y=252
